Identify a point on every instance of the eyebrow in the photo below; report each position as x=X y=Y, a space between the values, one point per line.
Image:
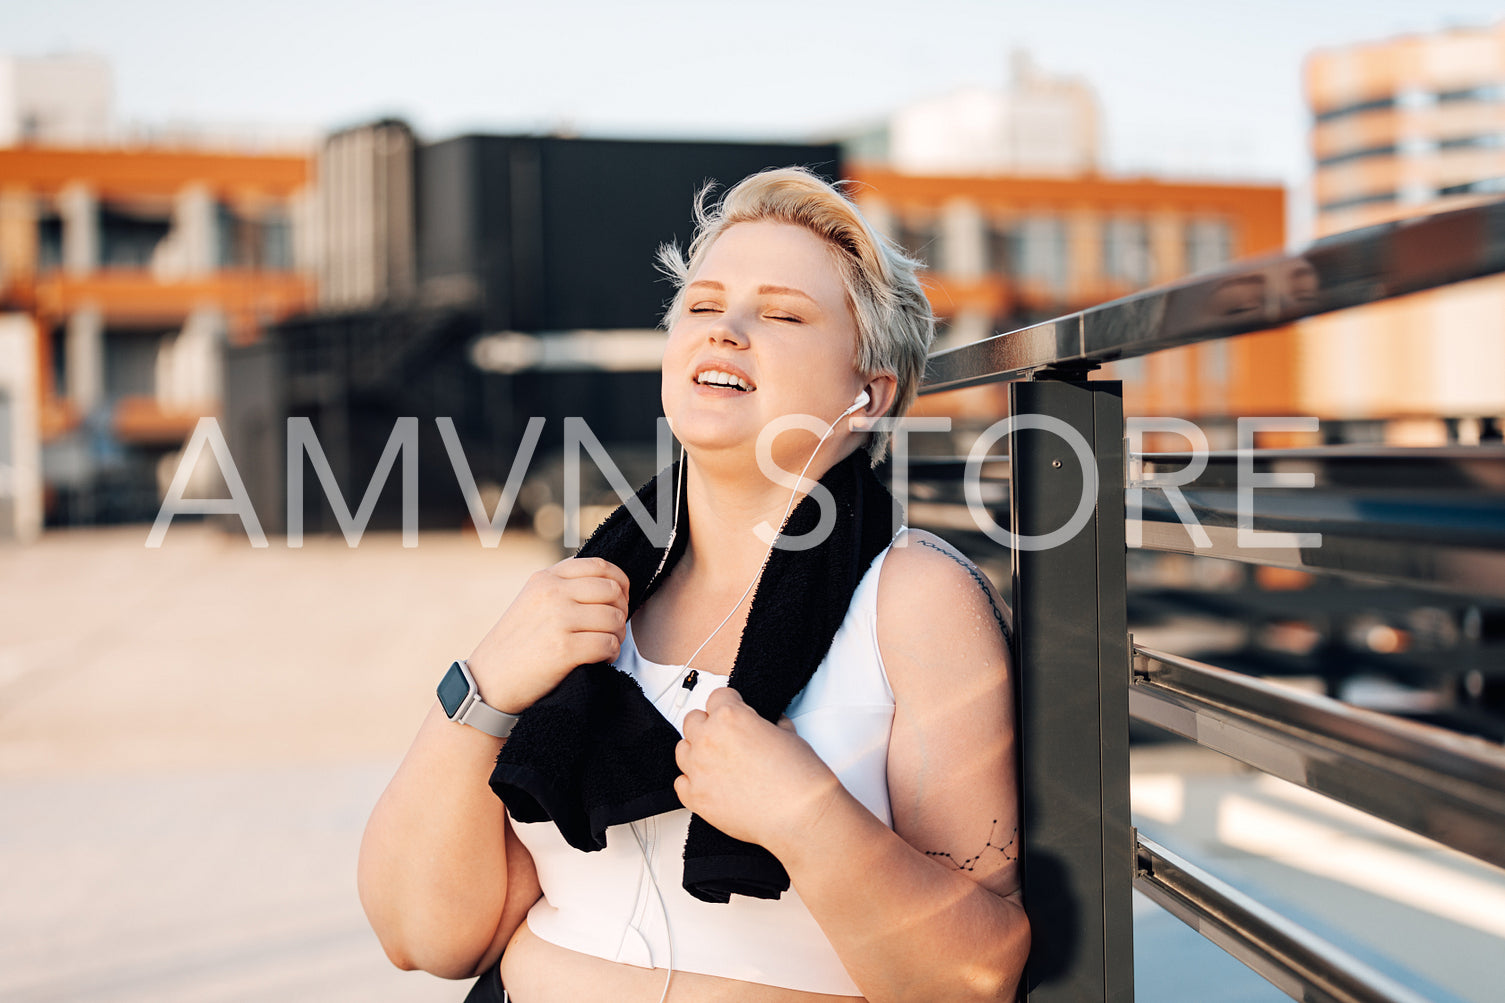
x=763 y=289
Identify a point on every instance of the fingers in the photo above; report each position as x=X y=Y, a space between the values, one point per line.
x=723 y=697
x=591 y=567
x=692 y=723
x=595 y=617
x=602 y=591
x=590 y=647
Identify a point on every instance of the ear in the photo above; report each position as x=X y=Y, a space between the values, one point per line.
x=881 y=389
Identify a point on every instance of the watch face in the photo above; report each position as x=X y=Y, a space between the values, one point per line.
x=453 y=689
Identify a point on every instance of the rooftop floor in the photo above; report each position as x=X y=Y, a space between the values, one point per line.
x=191 y=739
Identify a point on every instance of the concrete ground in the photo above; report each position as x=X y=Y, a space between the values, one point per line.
x=191 y=739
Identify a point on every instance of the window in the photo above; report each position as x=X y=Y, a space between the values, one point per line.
x=1485 y=92
x=999 y=247
x=128 y=238
x=243 y=240
x=1356 y=108
x=1209 y=244
x=1360 y=200
x=276 y=243
x=1038 y=251
x=130 y=363
x=1126 y=252
x=917 y=237
x=228 y=238
x=1490 y=141
x=1483 y=187
x=1387 y=150
x=58 y=352
x=49 y=243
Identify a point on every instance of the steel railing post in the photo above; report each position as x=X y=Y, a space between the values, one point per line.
x=1072 y=660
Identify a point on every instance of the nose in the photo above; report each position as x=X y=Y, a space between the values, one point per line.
x=727 y=331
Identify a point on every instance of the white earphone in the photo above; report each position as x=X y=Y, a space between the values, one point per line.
x=861 y=401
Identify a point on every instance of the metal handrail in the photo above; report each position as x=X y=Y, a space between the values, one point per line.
x=1334 y=273
x=1436 y=783
x=1431 y=518
x=1426 y=517
x=1071 y=644
x=1293 y=959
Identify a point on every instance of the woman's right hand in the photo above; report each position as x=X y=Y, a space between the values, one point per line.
x=573 y=613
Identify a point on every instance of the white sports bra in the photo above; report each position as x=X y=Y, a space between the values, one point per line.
x=609 y=904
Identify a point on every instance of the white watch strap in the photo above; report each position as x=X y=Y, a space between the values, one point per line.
x=481 y=715
x=488 y=719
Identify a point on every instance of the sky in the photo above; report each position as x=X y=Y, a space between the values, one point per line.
x=1188 y=87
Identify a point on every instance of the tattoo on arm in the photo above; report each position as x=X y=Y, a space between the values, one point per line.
x=1008 y=634
x=970 y=863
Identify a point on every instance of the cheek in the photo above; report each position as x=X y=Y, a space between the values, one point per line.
x=679 y=346
x=673 y=385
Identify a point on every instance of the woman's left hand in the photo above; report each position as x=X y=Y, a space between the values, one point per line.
x=753 y=780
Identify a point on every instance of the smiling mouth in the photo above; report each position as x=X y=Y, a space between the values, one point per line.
x=721 y=378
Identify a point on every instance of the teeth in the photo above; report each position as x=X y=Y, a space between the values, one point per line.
x=717 y=377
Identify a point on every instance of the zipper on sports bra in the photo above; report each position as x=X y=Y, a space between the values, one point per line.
x=691 y=678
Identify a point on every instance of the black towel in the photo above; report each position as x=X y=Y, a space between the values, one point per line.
x=595 y=752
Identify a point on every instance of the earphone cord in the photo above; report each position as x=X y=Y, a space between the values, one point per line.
x=689 y=662
x=642 y=846
x=662 y=905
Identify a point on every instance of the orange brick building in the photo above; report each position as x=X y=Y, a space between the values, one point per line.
x=123 y=272
x=1007 y=251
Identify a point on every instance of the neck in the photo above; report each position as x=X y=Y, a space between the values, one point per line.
x=725 y=505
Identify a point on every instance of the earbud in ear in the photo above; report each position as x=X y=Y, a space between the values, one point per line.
x=862 y=399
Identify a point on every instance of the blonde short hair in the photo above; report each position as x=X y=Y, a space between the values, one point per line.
x=894 y=324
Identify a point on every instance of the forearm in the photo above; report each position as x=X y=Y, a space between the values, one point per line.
x=432 y=873
x=905 y=927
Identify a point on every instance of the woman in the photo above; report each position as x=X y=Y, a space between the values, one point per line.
x=856 y=841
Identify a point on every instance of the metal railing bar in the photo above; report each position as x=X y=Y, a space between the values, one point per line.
x=1294 y=960
x=1436 y=783
x=1448 y=545
x=1346 y=270
x=1457 y=469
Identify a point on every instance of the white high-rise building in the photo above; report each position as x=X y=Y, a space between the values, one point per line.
x=1037 y=125
x=63 y=100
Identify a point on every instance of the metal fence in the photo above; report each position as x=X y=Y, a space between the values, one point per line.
x=1417 y=517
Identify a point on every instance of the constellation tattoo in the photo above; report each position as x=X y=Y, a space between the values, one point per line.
x=971 y=569
x=970 y=863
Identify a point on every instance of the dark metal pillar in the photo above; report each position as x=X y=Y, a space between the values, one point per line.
x=1073 y=666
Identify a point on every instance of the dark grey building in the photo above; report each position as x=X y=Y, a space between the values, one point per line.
x=517 y=240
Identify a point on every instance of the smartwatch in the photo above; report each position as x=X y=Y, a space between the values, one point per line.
x=463 y=704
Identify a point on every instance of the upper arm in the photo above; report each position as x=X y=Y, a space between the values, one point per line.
x=952 y=760
x=522 y=891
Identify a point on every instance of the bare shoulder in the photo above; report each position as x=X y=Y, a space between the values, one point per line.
x=934 y=603
x=951 y=756
x=929 y=575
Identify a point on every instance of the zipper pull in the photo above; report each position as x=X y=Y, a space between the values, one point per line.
x=691 y=678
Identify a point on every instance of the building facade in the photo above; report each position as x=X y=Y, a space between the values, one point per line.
x=123 y=273
x=1006 y=251
x=1402 y=127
